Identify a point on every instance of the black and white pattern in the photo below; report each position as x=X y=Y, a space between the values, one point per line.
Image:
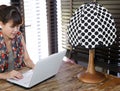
x=91 y=25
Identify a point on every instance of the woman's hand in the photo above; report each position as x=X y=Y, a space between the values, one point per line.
x=13 y=74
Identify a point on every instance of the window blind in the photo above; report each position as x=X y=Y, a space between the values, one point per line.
x=36 y=29
x=52 y=26
x=111 y=55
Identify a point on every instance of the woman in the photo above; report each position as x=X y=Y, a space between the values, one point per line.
x=13 y=53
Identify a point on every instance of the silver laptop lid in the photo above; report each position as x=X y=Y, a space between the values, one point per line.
x=47 y=67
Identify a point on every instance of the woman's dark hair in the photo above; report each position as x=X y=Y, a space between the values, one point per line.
x=8 y=13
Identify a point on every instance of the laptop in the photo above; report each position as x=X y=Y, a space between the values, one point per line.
x=44 y=69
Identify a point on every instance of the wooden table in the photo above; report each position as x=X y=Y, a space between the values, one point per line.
x=66 y=80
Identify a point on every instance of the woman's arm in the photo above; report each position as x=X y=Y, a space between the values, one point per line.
x=28 y=62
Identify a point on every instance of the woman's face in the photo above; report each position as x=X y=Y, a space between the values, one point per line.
x=9 y=30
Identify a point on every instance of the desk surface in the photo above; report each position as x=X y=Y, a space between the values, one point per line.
x=66 y=80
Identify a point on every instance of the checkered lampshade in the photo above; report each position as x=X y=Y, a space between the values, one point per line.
x=91 y=25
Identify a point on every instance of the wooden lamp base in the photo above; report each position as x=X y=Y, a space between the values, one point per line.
x=91 y=75
x=87 y=77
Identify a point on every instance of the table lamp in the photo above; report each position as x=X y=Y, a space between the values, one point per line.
x=91 y=26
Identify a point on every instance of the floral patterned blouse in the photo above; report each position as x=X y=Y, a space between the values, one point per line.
x=18 y=52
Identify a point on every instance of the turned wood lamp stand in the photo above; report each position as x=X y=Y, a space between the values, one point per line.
x=91 y=75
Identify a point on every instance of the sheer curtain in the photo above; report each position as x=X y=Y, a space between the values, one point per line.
x=36 y=29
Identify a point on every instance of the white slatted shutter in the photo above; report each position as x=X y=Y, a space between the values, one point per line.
x=36 y=29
